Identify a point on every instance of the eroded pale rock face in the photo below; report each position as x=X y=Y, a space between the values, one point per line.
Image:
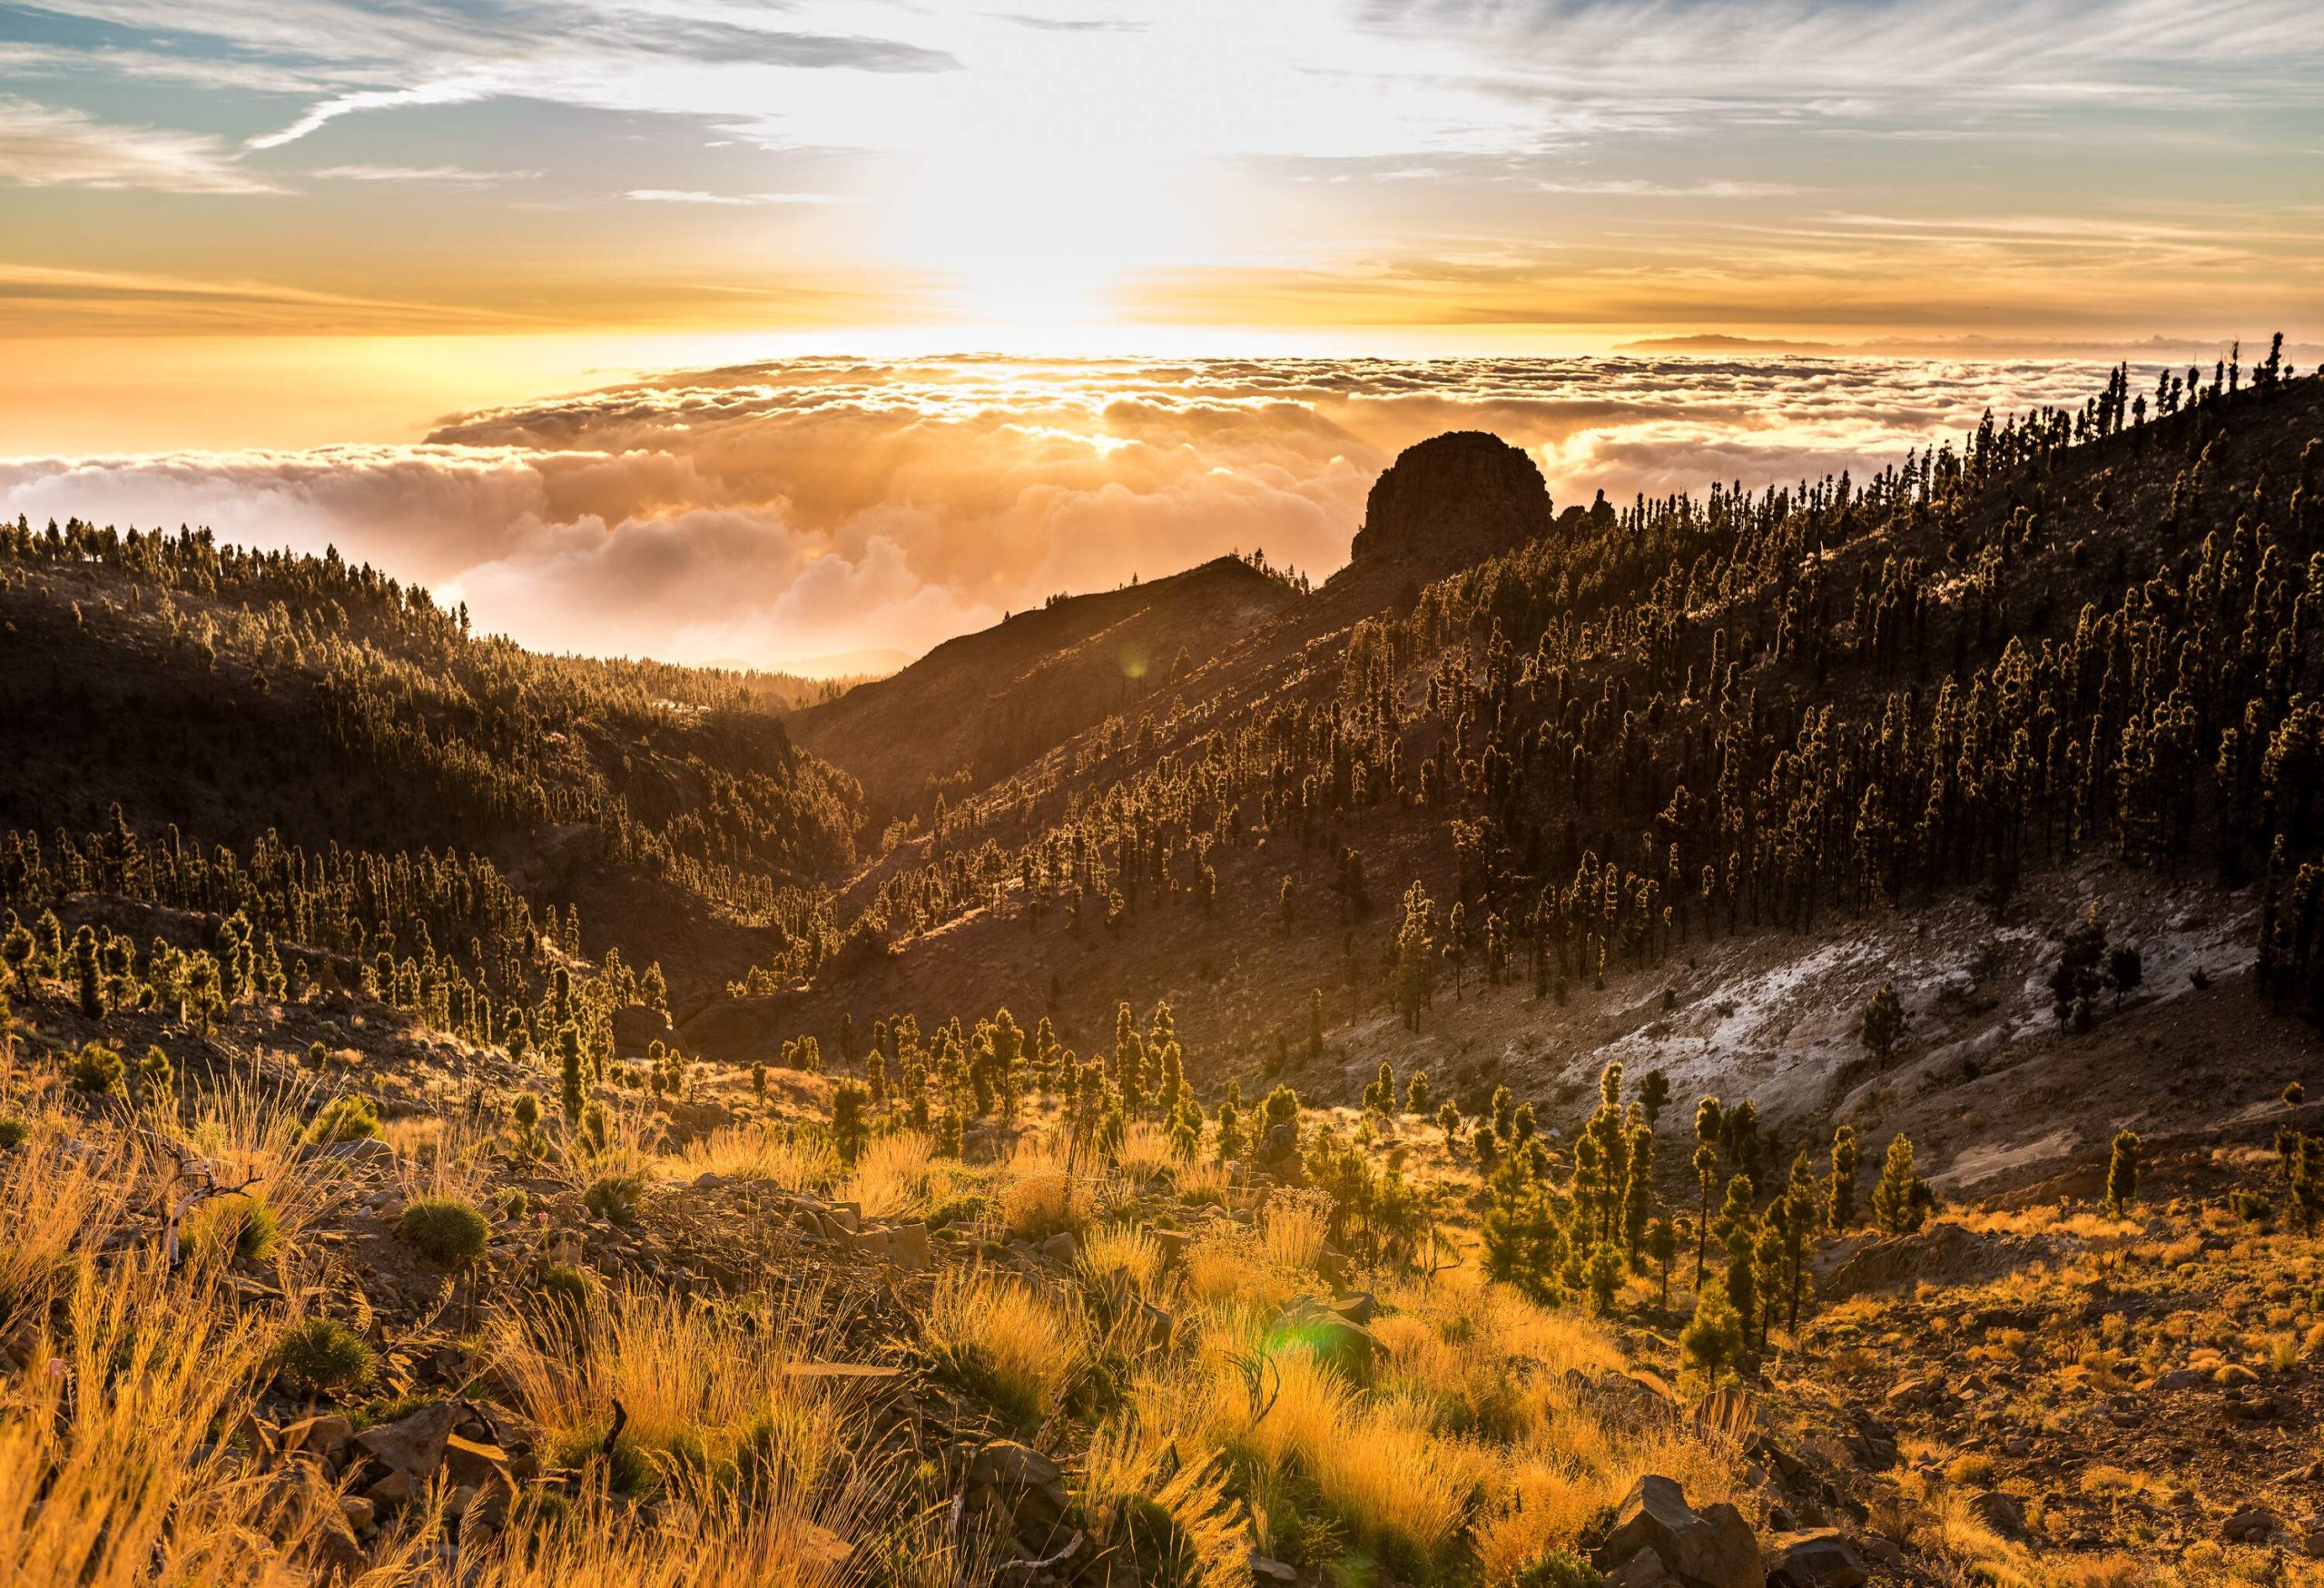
x=1451 y=499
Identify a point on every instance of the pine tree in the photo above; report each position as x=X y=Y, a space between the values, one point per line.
x=1742 y=1277
x=1883 y=1024
x=1713 y=1338
x=90 y=988
x=1315 y=1022
x=850 y=1127
x=1448 y=1120
x=1839 y=1194
x=2122 y=1174
x=1654 y=1095
x=1662 y=1246
x=1901 y=1198
x=1417 y=1095
x=569 y=1052
x=1605 y=1273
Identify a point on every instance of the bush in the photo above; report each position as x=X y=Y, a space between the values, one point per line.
x=511 y=1203
x=962 y=1208
x=1560 y=1569
x=569 y=1288
x=614 y=1198
x=242 y=1225
x=353 y=1118
x=12 y=1132
x=94 y=1069
x=322 y=1354
x=1713 y=1337
x=445 y=1230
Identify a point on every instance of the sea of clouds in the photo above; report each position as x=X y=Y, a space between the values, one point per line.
x=814 y=509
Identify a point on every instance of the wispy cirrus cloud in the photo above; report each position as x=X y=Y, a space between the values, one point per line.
x=49 y=146
x=664 y=195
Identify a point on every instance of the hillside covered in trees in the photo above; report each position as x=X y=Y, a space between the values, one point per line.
x=1749 y=1040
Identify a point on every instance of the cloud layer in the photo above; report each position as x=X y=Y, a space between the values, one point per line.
x=780 y=513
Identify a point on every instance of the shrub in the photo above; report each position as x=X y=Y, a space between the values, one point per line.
x=614 y=1198
x=445 y=1230
x=12 y=1132
x=242 y=1225
x=1713 y=1337
x=964 y=1208
x=322 y=1354
x=1560 y=1569
x=94 y=1069
x=352 y=1117
x=569 y=1288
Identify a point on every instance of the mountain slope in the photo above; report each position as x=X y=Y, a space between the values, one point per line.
x=985 y=703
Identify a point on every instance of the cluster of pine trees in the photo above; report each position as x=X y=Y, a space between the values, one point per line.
x=2091 y=629
x=367 y=713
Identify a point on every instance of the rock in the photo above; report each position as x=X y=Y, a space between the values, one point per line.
x=1644 y=1569
x=1885 y=1550
x=1022 y=1478
x=323 y=1437
x=2180 y=1378
x=1061 y=1247
x=1710 y=1548
x=2311 y=1544
x=413 y=1446
x=1280 y=1144
x=1451 y=500
x=1359 y=1307
x=1273 y=1571
x=2004 y=1513
x=2253 y=1525
x=360 y=1512
x=1174 y=1244
x=708 y=1180
x=876 y=1246
x=472 y=1461
x=363 y=1152
x=636 y=1028
x=1333 y=1338
x=1823 y=1559
x=908 y=1247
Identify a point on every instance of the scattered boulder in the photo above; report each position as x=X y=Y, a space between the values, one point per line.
x=1336 y=1338
x=1822 y=1559
x=362 y=1152
x=1021 y=1479
x=2004 y=1513
x=413 y=1446
x=1710 y=1548
x=2253 y=1525
x=1643 y=1570
x=1061 y=1247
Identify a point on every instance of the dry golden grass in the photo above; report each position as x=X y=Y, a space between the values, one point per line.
x=755 y=1152
x=1038 y=1194
x=1125 y=1256
x=1292 y=1228
x=894 y=1177
x=1020 y=1348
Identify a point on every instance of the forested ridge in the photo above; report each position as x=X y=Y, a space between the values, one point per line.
x=2075 y=631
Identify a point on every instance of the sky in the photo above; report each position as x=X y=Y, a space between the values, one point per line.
x=292 y=241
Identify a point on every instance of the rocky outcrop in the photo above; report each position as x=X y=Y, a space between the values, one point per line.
x=1710 y=1548
x=1451 y=500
